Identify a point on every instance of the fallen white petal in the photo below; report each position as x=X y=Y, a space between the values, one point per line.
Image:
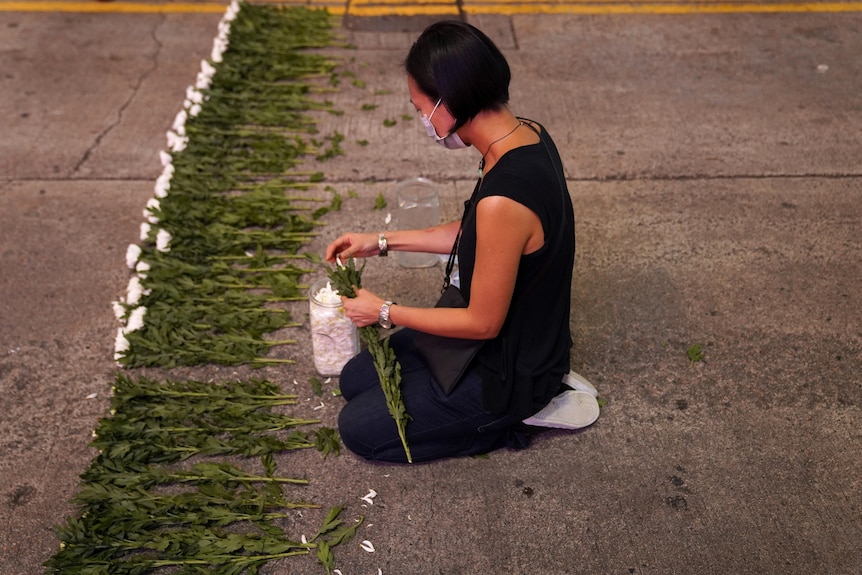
x=337 y=572
x=93 y=396
x=388 y=218
x=367 y=546
x=304 y=540
x=370 y=497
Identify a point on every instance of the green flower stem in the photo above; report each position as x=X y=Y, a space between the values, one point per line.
x=167 y=392
x=345 y=279
x=274 y=361
x=292 y=423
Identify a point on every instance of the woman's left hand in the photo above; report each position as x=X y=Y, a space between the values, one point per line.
x=364 y=309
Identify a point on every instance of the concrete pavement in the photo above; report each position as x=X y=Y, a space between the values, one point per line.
x=714 y=164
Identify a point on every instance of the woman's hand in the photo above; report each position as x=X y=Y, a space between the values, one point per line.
x=364 y=309
x=352 y=246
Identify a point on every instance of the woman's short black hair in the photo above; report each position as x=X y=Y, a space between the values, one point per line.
x=457 y=62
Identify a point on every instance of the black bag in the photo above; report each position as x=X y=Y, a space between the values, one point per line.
x=447 y=358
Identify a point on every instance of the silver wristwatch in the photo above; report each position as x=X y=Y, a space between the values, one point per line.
x=383 y=318
x=382 y=245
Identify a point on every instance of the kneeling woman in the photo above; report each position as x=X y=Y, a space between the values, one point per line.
x=515 y=248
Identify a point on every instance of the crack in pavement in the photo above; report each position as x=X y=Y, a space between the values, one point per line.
x=146 y=74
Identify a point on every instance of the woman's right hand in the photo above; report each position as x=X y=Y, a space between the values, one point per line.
x=352 y=245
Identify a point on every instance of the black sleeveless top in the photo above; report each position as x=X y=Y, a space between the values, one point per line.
x=522 y=367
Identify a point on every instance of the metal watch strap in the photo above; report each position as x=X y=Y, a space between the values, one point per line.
x=382 y=245
x=383 y=318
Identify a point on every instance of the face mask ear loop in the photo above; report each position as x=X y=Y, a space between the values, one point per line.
x=437 y=105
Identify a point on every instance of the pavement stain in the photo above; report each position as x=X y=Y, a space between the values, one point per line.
x=21 y=495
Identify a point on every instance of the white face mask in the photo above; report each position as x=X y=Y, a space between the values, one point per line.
x=452 y=141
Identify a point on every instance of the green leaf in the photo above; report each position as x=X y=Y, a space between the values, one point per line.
x=380 y=202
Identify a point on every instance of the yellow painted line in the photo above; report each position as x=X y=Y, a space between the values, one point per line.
x=407 y=11
x=142 y=7
x=404 y=4
x=120 y=7
x=661 y=8
x=438 y=8
x=600 y=7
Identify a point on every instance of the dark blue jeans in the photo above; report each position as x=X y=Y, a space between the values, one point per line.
x=441 y=425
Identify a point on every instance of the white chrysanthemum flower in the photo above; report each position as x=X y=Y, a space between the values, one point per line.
x=195 y=110
x=223 y=32
x=134 y=291
x=194 y=96
x=163 y=241
x=179 y=125
x=145 y=231
x=165 y=158
x=205 y=76
x=133 y=252
x=153 y=208
x=176 y=142
x=163 y=184
x=202 y=82
x=232 y=11
x=218 y=50
x=208 y=68
x=121 y=344
x=136 y=319
x=142 y=268
x=119 y=310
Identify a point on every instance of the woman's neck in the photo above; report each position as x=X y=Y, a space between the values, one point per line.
x=493 y=133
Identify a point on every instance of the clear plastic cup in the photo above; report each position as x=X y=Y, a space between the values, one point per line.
x=418 y=208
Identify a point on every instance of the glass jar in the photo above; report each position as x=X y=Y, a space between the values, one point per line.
x=418 y=208
x=334 y=339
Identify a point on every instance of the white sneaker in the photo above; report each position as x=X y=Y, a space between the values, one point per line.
x=572 y=409
x=579 y=382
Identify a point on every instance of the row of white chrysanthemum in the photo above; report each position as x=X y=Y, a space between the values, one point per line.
x=128 y=310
